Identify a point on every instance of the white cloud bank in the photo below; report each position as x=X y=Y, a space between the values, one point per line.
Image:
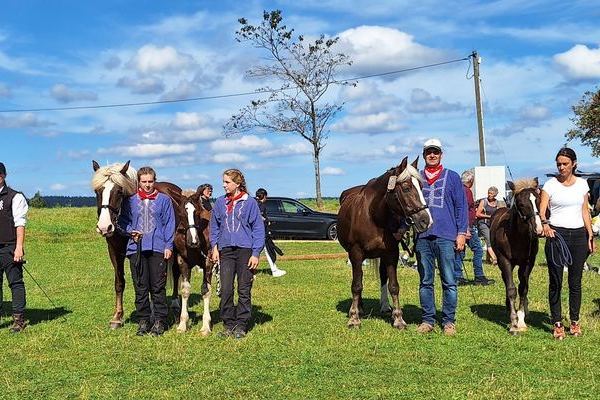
x=580 y=62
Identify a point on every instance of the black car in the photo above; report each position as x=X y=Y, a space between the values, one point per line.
x=292 y=219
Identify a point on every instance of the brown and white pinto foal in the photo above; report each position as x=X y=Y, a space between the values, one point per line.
x=192 y=248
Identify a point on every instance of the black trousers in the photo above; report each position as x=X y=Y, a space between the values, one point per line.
x=234 y=262
x=577 y=242
x=14 y=276
x=149 y=280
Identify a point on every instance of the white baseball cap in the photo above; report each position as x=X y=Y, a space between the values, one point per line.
x=433 y=143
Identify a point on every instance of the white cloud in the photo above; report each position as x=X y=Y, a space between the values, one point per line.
x=63 y=94
x=188 y=120
x=332 y=171
x=26 y=120
x=380 y=49
x=534 y=113
x=150 y=150
x=292 y=149
x=152 y=59
x=246 y=142
x=58 y=187
x=229 y=158
x=580 y=62
x=422 y=102
x=147 y=85
x=382 y=122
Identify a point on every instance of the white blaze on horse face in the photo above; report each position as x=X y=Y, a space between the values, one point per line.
x=538 y=220
x=415 y=183
x=104 y=220
x=190 y=209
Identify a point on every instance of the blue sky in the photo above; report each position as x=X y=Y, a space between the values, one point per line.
x=539 y=58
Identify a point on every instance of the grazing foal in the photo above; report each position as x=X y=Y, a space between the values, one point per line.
x=514 y=235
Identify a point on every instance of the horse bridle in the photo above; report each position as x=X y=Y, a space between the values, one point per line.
x=392 y=183
x=520 y=214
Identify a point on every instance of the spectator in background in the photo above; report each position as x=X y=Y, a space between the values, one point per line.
x=271 y=249
x=472 y=240
x=205 y=190
x=487 y=207
x=13 y=216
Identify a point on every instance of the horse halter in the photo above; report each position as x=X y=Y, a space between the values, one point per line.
x=520 y=214
x=392 y=183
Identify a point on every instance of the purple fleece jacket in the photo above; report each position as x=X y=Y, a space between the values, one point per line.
x=244 y=227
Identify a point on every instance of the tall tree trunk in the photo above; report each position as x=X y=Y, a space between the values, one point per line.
x=317 y=176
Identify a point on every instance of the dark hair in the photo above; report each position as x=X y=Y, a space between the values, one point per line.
x=261 y=193
x=570 y=154
x=204 y=186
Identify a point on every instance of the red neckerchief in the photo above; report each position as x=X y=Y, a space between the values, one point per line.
x=150 y=196
x=230 y=201
x=433 y=173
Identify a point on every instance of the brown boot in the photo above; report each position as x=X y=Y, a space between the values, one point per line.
x=18 y=323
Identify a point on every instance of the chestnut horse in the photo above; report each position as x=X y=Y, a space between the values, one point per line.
x=113 y=184
x=192 y=248
x=514 y=235
x=365 y=229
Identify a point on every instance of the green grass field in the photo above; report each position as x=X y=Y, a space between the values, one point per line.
x=299 y=346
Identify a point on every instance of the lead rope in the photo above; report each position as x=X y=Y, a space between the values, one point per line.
x=216 y=268
x=559 y=251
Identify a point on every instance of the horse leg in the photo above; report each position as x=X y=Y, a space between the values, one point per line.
x=117 y=258
x=506 y=269
x=206 y=320
x=524 y=273
x=356 y=258
x=384 y=300
x=391 y=263
x=185 y=295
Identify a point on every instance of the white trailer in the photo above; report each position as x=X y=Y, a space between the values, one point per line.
x=489 y=176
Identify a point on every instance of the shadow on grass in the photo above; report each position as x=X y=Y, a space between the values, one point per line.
x=497 y=313
x=596 y=313
x=371 y=309
x=33 y=316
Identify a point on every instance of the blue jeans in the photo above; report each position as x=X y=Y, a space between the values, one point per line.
x=475 y=245
x=430 y=250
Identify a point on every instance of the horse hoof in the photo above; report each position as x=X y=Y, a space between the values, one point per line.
x=116 y=324
x=204 y=332
x=353 y=324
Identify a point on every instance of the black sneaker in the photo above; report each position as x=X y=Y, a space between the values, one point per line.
x=143 y=328
x=158 y=328
x=239 y=334
x=483 y=281
x=225 y=333
x=462 y=282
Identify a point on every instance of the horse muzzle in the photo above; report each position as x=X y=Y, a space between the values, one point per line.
x=421 y=220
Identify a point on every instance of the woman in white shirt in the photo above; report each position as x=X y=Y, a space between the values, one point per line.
x=566 y=196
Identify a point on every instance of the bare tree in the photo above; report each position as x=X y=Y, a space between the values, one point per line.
x=587 y=121
x=305 y=70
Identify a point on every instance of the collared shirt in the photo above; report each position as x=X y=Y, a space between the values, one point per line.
x=19 y=209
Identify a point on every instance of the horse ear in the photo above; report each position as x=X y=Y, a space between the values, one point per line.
x=125 y=168
x=404 y=163
x=415 y=163
x=511 y=185
x=95 y=165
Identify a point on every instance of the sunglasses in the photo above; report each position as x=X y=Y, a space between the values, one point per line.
x=432 y=151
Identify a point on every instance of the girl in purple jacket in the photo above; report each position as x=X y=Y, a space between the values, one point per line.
x=237 y=235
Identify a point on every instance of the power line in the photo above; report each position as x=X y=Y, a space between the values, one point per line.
x=222 y=96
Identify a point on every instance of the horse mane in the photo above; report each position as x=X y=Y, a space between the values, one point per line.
x=410 y=172
x=524 y=183
x=113 y=173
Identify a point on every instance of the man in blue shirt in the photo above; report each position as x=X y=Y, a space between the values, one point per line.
x=444 y=195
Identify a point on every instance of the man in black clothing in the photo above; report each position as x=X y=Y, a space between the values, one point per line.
x=271 y=249
x=13 y=212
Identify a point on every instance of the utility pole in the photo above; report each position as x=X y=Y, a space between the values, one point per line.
x=476 y=62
